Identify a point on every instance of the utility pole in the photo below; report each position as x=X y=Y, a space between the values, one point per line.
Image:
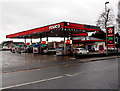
x=106 y=20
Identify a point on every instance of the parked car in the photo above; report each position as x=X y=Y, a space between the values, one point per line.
x=13 y=49
x=51 y=50
x=21 y=49
x=6 y=48
x=60 y=51
x=29 y=49
x=79 y=51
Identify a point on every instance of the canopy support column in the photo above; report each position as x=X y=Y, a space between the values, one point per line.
x=47 y=40
x=40 y=40
x=31 y=40
x=86 y=44
x=25 y=45
x=40 y=44
x=25 y=40
x=64 y=44
x=47 y=37
x=71 y=38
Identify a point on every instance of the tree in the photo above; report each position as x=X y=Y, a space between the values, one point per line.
x=100 y=34
x=106 y=18
x=118 y=22
x=118 y=17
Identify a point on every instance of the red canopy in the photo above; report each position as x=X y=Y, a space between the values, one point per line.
x=62 y=29
x=81 y=34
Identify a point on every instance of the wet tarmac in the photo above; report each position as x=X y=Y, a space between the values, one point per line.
x=12 y=62
x=89 y=75
x=15 y=59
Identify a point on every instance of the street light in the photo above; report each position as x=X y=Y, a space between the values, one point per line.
x=106 y=2
x=105 y=6
x=106 y=19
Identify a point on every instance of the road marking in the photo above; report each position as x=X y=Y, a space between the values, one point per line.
x=72 y=74
x=28 y=83
x=88 y=71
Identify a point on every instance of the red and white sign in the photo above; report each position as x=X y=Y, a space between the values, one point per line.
x=110 y=37
x=27 y=43
x=68 y=41
x=44 y=42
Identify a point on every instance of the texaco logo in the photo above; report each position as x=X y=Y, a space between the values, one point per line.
x=110 y=30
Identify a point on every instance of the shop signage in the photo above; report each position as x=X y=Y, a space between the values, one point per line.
x=54 y=27
x=44 y=42
x=110 y=37
x=68 y=41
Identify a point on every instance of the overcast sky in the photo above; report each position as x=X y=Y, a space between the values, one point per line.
x=21 y=15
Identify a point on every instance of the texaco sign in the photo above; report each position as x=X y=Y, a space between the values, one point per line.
x=110 y=37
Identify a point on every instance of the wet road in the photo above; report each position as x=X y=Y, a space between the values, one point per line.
x=89 y=75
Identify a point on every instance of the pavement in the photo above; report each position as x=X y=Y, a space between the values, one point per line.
x=22 y=62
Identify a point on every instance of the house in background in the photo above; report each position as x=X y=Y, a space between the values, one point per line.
x=7 y=45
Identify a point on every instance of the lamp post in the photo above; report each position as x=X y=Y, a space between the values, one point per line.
x=106 y=19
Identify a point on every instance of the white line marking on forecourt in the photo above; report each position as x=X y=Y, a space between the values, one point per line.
x=32 y=82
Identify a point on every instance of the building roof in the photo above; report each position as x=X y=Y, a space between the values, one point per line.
x=11 y=42
x=87 y=39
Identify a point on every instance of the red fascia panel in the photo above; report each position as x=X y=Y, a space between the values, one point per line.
x=75 y=25
x=76 y=41
x=36 y=30
x=94 y=40
x=81 y=28
x=81 y=34
x=89 y=40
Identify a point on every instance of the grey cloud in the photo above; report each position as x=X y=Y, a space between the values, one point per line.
x=20 y=16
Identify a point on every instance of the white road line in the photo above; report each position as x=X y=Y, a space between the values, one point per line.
x=32 y=82
x=72 y=74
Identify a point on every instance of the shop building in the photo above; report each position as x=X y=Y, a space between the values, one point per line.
x=90 y=43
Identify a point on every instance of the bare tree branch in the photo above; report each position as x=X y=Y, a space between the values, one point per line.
x=107 y=18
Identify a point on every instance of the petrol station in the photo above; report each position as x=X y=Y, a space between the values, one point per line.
x=63 y=29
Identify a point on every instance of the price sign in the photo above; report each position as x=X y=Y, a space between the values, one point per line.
x=68 y=41
x=27 y=43
x=44 y=42
x=110 y=37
